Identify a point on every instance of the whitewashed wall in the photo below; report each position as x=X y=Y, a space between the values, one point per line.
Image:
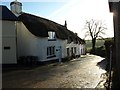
x=78 y=49
x=30 y=45
x=9 y=40
x=70 y=45
x=63 y=44
x=82 y=49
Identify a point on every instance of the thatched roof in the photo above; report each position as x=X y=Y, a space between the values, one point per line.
x=40 y=26
x=6 y=14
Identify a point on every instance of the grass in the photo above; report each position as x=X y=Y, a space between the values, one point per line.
x=99 y=43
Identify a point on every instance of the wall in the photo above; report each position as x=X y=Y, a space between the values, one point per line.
x=9 y=42
x=79 y=47
x=30 y=45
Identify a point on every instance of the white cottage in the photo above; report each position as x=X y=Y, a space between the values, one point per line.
x=34 y=36
x=46 y=39
x=8 y=36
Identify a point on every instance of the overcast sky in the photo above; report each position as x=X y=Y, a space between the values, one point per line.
x=75 y=12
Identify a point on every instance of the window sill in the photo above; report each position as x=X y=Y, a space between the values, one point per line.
x=51 y=39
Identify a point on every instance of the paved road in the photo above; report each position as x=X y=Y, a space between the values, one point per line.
x=78 y=73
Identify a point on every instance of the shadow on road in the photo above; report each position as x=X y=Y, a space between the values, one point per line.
x=103 y=64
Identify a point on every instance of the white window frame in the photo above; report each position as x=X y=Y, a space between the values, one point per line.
x=51 y=35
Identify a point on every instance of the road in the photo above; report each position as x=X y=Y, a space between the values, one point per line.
x=77 y=73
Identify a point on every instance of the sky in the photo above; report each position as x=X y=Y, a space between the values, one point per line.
x=75 y=12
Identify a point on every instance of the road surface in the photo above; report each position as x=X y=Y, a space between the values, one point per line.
x=82 y=72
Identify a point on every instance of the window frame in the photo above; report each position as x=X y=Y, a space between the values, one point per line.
x=51 y=52
x=51 y=36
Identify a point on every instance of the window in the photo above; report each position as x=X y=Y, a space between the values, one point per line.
x=51 y=51
x=68 y=52
x=6 y=47
x=51 y=35
x=74 y=49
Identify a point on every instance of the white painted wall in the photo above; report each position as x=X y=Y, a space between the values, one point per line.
x=82 y=47
x=9 y=40
x=78 y=49
x=70 y=45
x=63 y=44
x=30 y=45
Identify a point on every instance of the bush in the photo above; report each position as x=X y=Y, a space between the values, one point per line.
x=108 y=43
x=100 y=51
x=28 y=60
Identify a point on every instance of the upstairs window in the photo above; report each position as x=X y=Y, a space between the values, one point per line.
x=51 y=35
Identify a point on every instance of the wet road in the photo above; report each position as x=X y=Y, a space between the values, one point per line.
x=78 y=73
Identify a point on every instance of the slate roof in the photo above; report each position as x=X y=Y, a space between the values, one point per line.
x=40 y=26
x=6 y=14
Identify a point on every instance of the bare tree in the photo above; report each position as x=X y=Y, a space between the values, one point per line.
x=95 y=29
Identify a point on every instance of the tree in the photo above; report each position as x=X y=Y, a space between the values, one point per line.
x=95 y=29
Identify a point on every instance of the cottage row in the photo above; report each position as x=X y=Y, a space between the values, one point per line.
x=27 y=35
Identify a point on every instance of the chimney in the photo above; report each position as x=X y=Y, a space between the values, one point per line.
x=65 y=24
x=76 y=34
x=16 y=7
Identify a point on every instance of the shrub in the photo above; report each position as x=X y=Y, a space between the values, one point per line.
x=28 y=60
x=100 y=51
x=107 y=44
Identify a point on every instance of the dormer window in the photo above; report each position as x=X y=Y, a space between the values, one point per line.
x=51 y=35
